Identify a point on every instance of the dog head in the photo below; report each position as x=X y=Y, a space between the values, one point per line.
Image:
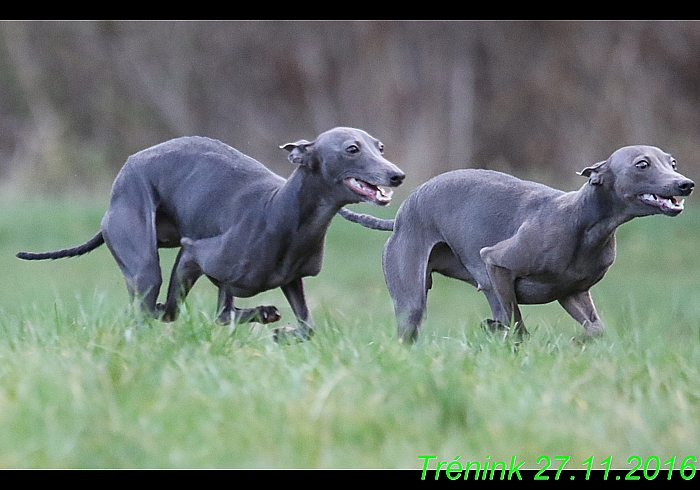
x=350 y=158
x=645 y=178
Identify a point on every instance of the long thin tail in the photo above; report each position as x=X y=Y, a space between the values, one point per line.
x=367 y=220
x=89 y=246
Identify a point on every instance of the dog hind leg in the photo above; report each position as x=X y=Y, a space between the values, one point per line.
x=131 y=238
x=405 y=263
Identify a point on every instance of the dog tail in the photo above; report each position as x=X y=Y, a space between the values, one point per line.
x=367 y=220
x=89 y=246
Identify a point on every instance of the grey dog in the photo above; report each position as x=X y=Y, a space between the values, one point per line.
x=244 y=227
x=521 y=242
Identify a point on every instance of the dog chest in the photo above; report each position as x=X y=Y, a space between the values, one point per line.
x=247 y=274
x=579 y=276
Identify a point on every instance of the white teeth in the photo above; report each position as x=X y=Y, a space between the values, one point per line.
x=665 y=202
x=383 y=195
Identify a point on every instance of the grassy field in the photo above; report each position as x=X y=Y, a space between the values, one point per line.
x=82 y=385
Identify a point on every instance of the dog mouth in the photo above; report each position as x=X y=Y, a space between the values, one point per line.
x=666 y=204
x=370 y=192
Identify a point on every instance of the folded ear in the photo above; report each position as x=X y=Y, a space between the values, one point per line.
x=297 y=151
x=593 y=172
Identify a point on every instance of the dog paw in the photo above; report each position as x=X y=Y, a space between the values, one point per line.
x=268 y=314
x=259 y=314
x=224 y=317
x=520 y=332
x=494 y=326
x=162 y=313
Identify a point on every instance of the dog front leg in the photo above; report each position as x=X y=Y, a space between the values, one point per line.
x=503 y=287
x=259 y=314
x=185 y=273
x=294 y=292
x=224 y=307
x=580 y=306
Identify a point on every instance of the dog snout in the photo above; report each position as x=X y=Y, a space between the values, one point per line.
x=397 y=179
x=685 y=186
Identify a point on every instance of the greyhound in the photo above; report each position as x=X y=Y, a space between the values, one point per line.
x=521 y=242
x=238 y=223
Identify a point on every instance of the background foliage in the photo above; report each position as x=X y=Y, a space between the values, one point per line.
x=537 y=98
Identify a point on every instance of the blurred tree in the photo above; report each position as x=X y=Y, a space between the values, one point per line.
x=539 y=99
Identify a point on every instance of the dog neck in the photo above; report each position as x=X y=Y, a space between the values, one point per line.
x=601 y=213
x=305 y=203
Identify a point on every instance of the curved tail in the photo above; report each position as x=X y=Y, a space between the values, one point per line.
x=89 y=246
x=367 y=220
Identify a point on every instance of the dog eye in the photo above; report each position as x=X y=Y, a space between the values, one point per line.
x=381 y=148
x=673 y=164
x=352 y=149
x=641 y=164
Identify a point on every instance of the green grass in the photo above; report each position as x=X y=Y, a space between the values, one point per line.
x=84 y=384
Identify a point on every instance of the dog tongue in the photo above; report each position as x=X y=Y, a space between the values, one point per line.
x=369 y=190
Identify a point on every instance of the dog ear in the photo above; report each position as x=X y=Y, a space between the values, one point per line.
x=297 y=151
x=593 y=173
